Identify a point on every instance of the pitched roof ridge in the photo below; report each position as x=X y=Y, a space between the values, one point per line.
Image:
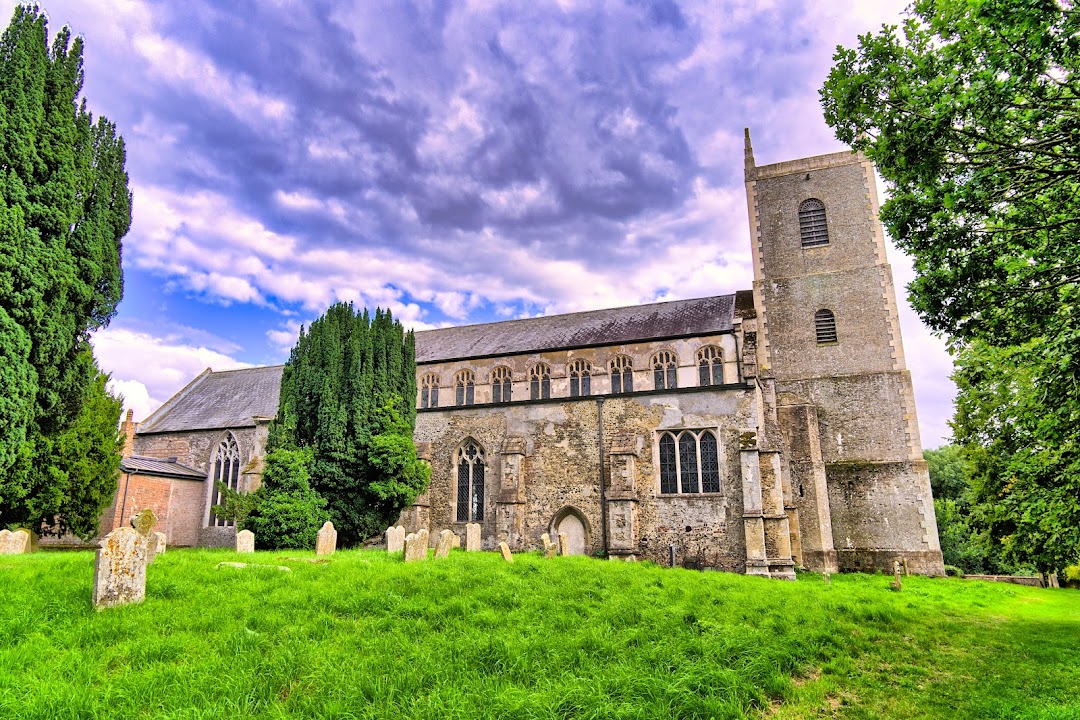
x=158 y=414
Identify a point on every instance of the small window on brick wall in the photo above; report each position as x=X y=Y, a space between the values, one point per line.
x=812 y=227
x=825 y=327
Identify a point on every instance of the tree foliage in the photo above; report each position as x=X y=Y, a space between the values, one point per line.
x=64 y=207
x=971 y=112
x=347 y=397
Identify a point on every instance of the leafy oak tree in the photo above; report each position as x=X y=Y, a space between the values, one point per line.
x=348 y=398
x=64 y=207
x=971 y=112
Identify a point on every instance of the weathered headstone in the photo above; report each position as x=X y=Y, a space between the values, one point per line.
x=143 y=522
x=564 y=544
x=472 y=537
x=326 y=539
x=14 y=542
x=241 y=566
x=162 y=543
x=549 y=547
x=505 y=550
x=245 y=542
x=395 y=539
x=446 y=541
x=895 y=584
x=826 y=577
x=416 y=545
x=455 y=541
x=120 y=567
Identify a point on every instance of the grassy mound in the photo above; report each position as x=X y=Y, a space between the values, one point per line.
x=365 y=636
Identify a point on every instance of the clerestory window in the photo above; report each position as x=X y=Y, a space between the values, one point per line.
x=710 y=366
x=689 y=462
x=470 y=482
x=622 y=374
x=825 y=327
x=812 y=228
x=429 y=391
x=580 y=378
x=501 y=385
x=540 y=381
x=464 y=383
x=664 y=366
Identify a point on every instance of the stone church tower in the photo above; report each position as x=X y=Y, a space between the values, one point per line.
x=828 y=346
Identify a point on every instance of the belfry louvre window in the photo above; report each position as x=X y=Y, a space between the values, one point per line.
x=825 y=327
x=689 y=462
x=622 y=374
x=501 y=387
x=580 y=378
x=464 y=383
x=664 y=365
x=812 y=227
x=540 y=381
x=470 y=483
x=429 y=391
x=710 y=360
x=225 y=470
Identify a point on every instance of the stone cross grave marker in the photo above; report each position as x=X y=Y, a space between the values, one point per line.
x=446 y=541
x=245 y=542
x=549 y=547
x=326 y=539
x=14 y=542
x=564 y=544
x=395 y=539
x=416 y=545
x=120 y=563
x=505 y=550
x=472 y=537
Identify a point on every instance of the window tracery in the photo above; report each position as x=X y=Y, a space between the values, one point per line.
x=501 y=385
x=710 y=365
x=470 y=482
x=429 y=390
x=580 y=378
x=689 y=462
x=622 y=374
x=540 y=381
x=464 y=383
x=664 y=366
x=225 y=469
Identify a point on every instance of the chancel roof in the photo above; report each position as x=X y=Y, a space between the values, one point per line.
x=678 y=318
x=228 y=399
x=157 y=466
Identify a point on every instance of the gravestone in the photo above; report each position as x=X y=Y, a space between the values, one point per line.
x=14 y=542
x=143 y=522
x=161 y=543
x=472 y=537
x=416 y=545
x=505 y=550
x=241 y=566
x=549 y=547
x=455 y=541
x=395 y=539
x=245 y=542
x=564 y=544
x=446 y=541
x=120 y=563
x=326 y=539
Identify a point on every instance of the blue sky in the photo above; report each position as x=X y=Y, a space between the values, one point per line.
x=457 y=162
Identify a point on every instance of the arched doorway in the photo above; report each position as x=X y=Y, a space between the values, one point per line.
x=569 y=522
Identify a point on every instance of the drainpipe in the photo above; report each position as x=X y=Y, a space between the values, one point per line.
x=738 y=358
x=603 y=493
x=123 y=504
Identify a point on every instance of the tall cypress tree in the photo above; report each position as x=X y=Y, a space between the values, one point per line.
x=342 y=398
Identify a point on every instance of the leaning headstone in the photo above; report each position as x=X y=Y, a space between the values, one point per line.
x=120 y=567
x=505 y=550
x=326 y=539
x=416 y=545
x=14 y=542
x=564 y=544
x=549 y=547
x=895 y=584
x=161 y=543
x=245 y=542
x=446 y=541
x=241 y=566
x=143 y=522
x=455 y=541
x=395 y=539
x=472 y=537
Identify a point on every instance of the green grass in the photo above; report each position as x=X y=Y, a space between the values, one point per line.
x=365 y=636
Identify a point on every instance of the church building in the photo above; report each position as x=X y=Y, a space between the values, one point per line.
x=754 y=432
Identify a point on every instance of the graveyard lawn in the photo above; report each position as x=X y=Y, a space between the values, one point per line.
x=363 y=635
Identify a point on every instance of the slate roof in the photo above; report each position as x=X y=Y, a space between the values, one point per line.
x=228 y=399
x=678 y=318
x=156 y=466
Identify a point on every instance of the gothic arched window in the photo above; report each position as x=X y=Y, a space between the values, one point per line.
x=580 y=378
x=429 y=390
x=710 y=361
x=825 y=327
x=812 y=227
x=224 y=469
x=501 y=387
x=540 y=381
x=664 y=364
x=622 y=374
x=689 y=462
x=463 y=387
x=470 y=482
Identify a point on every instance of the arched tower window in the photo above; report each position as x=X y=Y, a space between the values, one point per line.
x=501 y=386
x=580 y=378
x=622 y=374
x=429 y=391
x=812 y=227
x=540 y=381
x=689 y=462
x=663 y=365
x=825 y=327
x=464 y=383
x=710 y=360
x=225 y=469
x=470 y=482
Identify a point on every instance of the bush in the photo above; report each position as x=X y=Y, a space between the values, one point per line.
x=953 y=571
x=285 y=512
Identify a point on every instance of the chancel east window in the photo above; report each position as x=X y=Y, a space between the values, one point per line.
x=812 y=227
x=464 y=383
x=470 y=483
x=622 y=374
x=540 y=381
x=224 y=470
x=825 y=327
x=429 y=391
x=710 y=360
x=663 y=365
x=580 y=378
x=501 y=386
x=689 y=462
